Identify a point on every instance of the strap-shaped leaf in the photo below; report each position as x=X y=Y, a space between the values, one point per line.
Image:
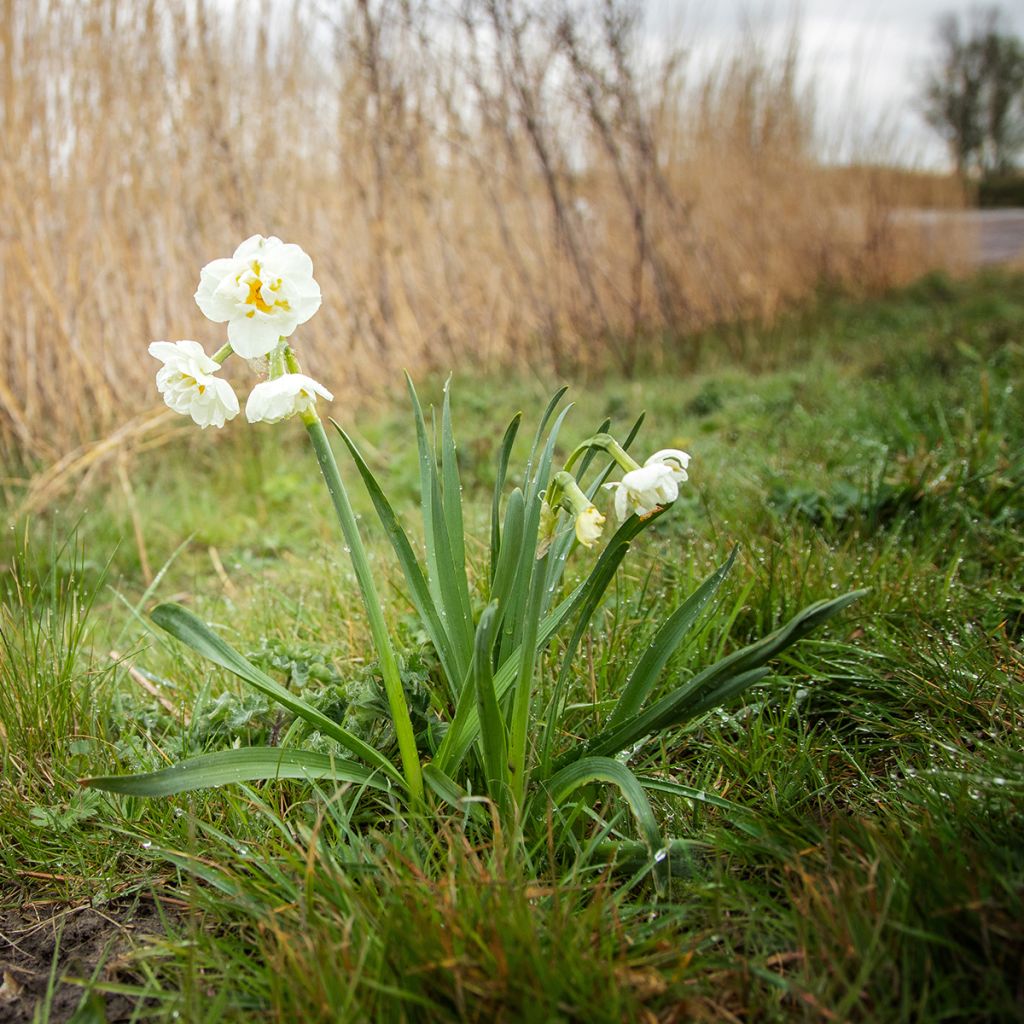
x=516 y=616
x=604 y=769
x=447 y=585
x=453 y=660
x=508 y=553
x=504 y=453
x=713 y=686
x=452 y=485
x=492 y=723
x=654 y=659
x=194 y=633
x=466 y=724
x=695 y=696
x=453 y=794
x=246 y=764
x=607 y=571
x=700 y=796
x=542 y=426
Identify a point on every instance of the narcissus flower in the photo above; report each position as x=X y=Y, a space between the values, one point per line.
x=276 y=399
x=187 y=382
x=589 y=524
x=676 y=460
x=264 y=291
x=643 y=490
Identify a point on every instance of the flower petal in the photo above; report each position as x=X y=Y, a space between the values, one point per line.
x=212 y=302
x=253 y=336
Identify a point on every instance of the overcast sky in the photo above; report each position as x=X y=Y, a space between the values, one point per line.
x=866 y=55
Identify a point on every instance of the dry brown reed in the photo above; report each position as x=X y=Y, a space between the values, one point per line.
x=486 y=183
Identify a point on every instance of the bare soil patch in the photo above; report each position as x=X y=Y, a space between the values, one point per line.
x=84 y=939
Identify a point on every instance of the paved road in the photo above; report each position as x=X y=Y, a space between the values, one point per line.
x=992 y=236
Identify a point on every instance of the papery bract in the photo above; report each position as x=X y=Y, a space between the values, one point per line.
x=643 y=490
x=263 y=292
x=277 y=399
x=188 y=385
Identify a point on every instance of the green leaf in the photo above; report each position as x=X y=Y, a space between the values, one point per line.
x=246 y=764
x=194 y=633
x=453 y=660
x=504 y=453
x=448 y=586
x=604 y=769
x=542 y=426
x=651 y=663
x=508 y=554
x=452 y=486
x=700 y=796
x=517 y=614
x=608 y=567
x=465 y=726
x=714 y=686
x=453 y=794
x=722 y=676
x=492 y=723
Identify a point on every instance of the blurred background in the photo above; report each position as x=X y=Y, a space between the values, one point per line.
x=555 y=186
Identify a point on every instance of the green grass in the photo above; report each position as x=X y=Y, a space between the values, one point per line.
x=876 y=872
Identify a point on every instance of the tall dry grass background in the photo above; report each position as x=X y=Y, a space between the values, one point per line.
x=484 y=182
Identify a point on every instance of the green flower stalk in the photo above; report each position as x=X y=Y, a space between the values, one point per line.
x=605 y=443
x=367 y=588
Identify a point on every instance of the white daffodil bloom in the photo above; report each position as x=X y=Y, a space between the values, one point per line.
x=589 y=524
x=643 y=490
x=263 y=292
x=675 y=459
x=277 y=399
x=187 y=382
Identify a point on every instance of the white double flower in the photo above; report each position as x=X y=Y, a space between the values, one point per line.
x=263 y=292
x=651 y=486
x=187 y=382
x=277 y=399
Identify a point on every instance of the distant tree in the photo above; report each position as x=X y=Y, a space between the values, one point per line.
x=973 y=91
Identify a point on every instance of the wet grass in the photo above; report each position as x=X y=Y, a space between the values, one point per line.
x=877 y=872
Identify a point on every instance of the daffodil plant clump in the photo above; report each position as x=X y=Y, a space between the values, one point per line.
x=495 y=750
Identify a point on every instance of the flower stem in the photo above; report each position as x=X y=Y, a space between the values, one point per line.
x=382 y=640
x=608 y=444
x=221 y=355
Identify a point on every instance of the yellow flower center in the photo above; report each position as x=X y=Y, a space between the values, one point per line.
x=255 y=296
